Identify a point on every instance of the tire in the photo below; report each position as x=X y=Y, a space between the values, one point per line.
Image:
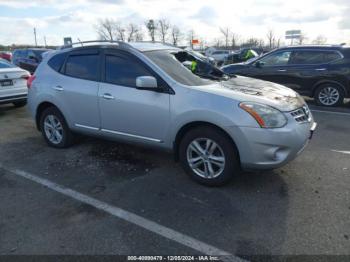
x=53 y=117
x=329 y=94
x=225 y=151
x=20 y=103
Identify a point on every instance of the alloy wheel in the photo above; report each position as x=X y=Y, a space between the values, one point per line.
x=53 y=129
x=329 y=96
x=206 y=158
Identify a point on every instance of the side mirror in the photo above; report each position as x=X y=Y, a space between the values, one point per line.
x=146 y=83
x=259 y=64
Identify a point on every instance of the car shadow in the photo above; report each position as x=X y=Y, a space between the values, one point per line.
x=6 y=107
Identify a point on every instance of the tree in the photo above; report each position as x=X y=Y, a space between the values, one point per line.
x=120 y=31
x=303 y=38
x=163 y=28
x=191 y=35
x=226 y=32
x=271 y=39
x=139 y=36
x=234 y=40
x=175 y=34
x=151 y=27
x=132 y=32
x=320 y=40
x=106 y=29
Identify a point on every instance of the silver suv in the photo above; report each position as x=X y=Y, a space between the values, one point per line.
x=143 y=93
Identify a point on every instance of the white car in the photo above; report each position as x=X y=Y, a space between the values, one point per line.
x=13 y=84
x=220 y=55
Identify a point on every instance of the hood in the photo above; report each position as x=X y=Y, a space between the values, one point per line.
x=245 y=89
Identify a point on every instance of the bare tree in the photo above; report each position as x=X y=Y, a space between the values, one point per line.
x=120 y=30
x=191 y=36
x=151 y=27
x=139 y=36
x=132 y=31
x=175 y=34
x=226 y=32
x=234 y=40
x=163 y=28
x=302 y=39
x=320 y=40
x=271 y=39
x=106 y=29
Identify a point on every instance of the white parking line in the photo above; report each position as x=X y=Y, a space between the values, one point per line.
x=340 y=151
x=331 y=112
x=129 y=217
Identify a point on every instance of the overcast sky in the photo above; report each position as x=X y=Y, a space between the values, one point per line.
x=77 y=18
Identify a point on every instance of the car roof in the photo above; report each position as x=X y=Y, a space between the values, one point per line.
x=319 y=47
x=140 y=46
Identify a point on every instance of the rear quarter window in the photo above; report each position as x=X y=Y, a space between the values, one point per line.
x=56 y=62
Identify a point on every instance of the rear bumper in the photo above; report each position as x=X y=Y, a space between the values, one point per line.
x=11 y=99
x=261 y=148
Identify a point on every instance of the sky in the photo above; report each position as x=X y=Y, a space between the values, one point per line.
x=55 y=19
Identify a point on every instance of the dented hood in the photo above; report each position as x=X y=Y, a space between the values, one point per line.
x=254 y=90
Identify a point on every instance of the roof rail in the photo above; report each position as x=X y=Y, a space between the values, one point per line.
x=81 y=43
x=156 y=42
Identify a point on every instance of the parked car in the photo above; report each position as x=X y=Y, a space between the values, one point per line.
x=220 y=55
x=28 y=59
x=141 y=93
x=322 y=72
x=240 y=56
x=6 y=55
x=13 y=84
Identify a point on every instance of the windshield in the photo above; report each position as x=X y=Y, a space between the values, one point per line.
x=186 y=68
x=5 y=64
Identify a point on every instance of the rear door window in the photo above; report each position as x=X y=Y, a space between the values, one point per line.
x=85 y=66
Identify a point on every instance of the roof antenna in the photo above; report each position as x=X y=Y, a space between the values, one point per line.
x=80 y=41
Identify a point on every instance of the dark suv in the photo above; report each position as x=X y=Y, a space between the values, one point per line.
x=28 y=59
x=322 y=72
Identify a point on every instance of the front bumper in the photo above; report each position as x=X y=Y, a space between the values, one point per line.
x=261 y=148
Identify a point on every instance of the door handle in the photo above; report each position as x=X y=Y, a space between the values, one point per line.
x=58 y=88
x=107 y=96
x=282 y=70
x=321 y=69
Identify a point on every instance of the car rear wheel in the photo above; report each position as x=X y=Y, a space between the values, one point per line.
x=55 y=129
x=329 y=95
x=209 y=156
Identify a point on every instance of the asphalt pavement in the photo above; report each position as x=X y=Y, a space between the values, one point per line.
x=104 y=198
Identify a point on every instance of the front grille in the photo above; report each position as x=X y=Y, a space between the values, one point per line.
x=301 y=115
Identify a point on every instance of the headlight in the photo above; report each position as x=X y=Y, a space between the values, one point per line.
x=266 y=116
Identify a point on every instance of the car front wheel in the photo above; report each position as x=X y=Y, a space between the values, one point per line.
x=55 y=129
x=209 y=156
x=329 y=95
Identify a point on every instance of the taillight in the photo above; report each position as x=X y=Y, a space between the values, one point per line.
x=30 y=81
x=26 y=77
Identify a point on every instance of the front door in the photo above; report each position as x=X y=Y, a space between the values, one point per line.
x=128 y=112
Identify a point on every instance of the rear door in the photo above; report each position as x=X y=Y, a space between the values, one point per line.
x=309 y=66
x=76 y=88
x=128 y=112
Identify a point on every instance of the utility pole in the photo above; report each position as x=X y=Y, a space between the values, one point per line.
x=36 y=42
x=45 y=40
